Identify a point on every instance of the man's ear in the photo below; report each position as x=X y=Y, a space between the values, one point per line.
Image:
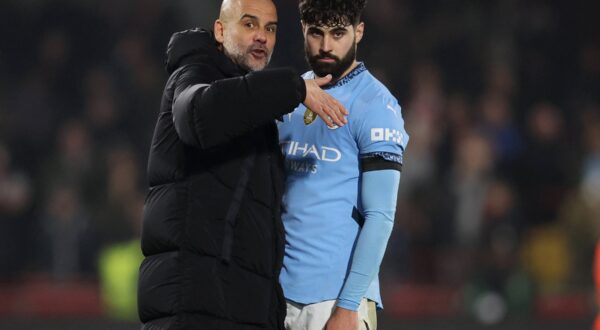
x=359 y=31
x=218 y=28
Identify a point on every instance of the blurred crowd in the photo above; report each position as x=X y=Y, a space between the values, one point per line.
x=501 y=183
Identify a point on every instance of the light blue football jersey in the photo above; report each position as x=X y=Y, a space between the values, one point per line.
x=322 y=184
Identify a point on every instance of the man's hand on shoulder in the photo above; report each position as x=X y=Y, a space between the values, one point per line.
x=331 y=111
x=342 y=319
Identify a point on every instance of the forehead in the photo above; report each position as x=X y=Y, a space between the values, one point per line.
x=262 y=9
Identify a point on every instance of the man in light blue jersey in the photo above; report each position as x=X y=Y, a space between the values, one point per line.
x=341 y=183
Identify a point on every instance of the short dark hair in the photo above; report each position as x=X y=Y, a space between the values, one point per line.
x=331 y=13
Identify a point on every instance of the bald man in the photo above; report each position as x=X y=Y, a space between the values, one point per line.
x=212 y=234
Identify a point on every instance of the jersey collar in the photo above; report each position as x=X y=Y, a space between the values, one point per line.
x=347 y=78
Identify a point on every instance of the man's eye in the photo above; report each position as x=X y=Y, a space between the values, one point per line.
x=271 y=29
x=338 y=34
x=249 y=25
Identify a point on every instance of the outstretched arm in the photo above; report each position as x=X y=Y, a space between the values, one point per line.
x=379 y=191
x=206 y=115
x=209 y=114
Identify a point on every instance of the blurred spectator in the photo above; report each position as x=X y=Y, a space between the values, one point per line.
x=71 y=179
x=118 y=218
x=74 y=163
x=469 y=182
x=543 y=177
x=138 y=79
x=100 y=105
x=501 y=80
x=70 y=239
x=423 y=116
x=500 y=235
x=118 y=268
x=497 y=123
x=543 y=167
x=497 y=271
x=457 y=121
x=15 y=208
x=580 y=214
x=546 y=258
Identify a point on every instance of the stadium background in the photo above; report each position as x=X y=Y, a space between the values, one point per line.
x=499 y=210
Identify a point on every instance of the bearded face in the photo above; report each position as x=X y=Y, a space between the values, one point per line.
x=331 y=50
x=327 y=63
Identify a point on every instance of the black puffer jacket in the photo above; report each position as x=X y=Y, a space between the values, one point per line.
x=212 y=233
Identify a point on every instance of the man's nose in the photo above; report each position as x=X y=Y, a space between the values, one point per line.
x=326 y=45
x=260 y=36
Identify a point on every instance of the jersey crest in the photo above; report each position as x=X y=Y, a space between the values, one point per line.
x=309 y=116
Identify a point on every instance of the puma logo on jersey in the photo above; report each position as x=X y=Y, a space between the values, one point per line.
x=392 y=109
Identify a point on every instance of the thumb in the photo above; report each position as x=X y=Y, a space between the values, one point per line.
x=321 y=81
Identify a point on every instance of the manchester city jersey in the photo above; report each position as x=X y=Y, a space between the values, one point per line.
x=321 y=205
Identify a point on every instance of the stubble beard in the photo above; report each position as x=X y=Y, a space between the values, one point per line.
x=241 y=57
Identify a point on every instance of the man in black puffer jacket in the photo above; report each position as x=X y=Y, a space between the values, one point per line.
x=212 y=233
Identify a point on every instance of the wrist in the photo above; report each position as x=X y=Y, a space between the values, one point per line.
x=346 y=305
x=343 y=312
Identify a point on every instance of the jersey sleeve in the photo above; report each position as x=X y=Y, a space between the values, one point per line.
x=380 y=135
x=379 y=190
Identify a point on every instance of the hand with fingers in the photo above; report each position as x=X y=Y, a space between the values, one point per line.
x=331 y=111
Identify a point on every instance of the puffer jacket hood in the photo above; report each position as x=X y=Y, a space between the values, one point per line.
x=200 y=44
x=189 y=42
